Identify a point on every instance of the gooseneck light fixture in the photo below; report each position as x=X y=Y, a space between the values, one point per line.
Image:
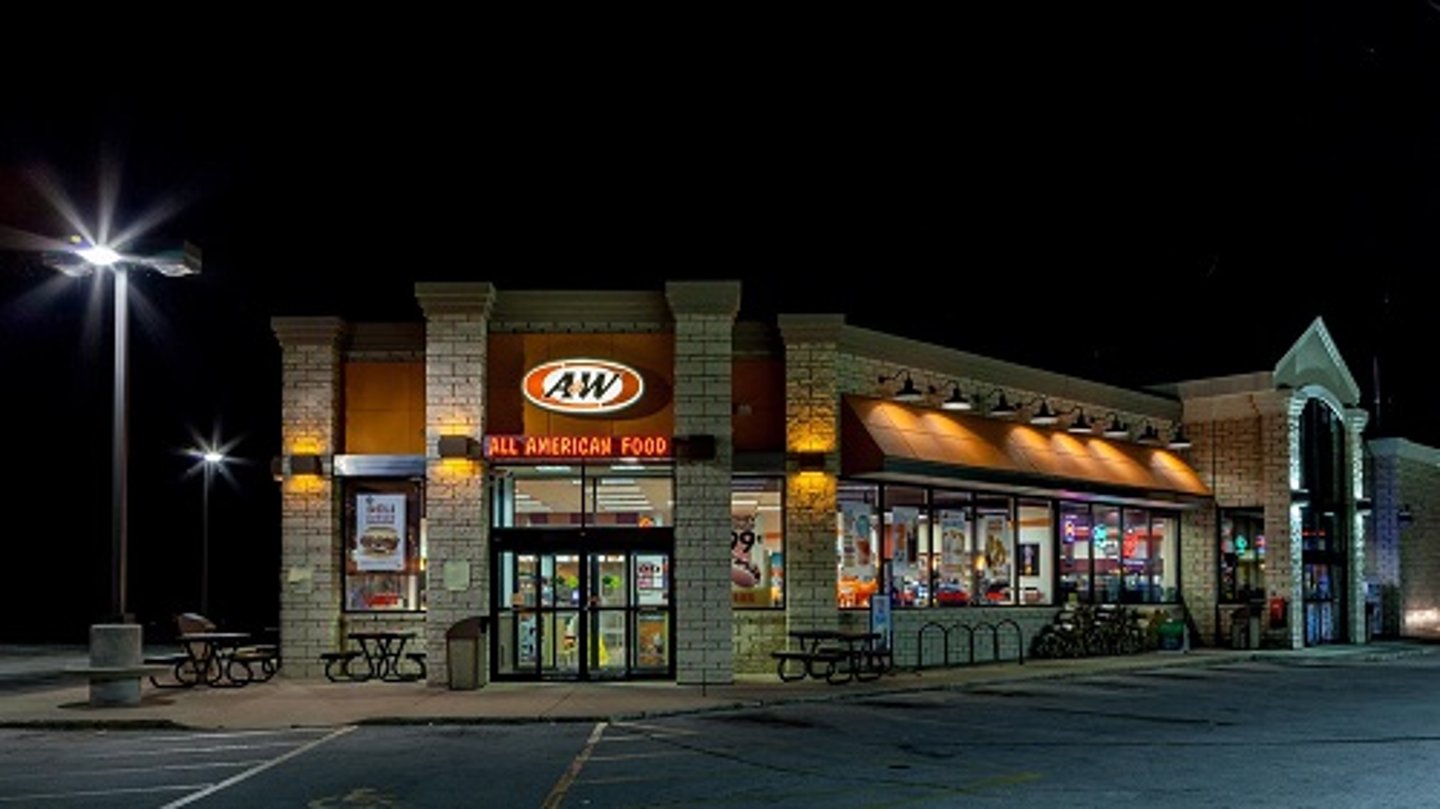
x=957 y=400
x=1149 y=436
x=85 y=258
x=1003 y=409
x=907 y=392
x=1178 y=439
x=1043 y=415
x=1080 y=425
x=1116 y=428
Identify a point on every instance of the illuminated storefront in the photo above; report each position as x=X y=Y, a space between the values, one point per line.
x=633 y=485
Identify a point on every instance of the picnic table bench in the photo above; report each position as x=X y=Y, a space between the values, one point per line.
x=845 y=656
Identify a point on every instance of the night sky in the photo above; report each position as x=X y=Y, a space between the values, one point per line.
x=1133 y=199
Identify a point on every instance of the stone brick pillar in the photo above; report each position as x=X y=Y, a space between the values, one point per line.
x=704 y=313
x=457 y=572
x=1382 y=542
x=1355 y=421
x=310 y=512
x=1280 y=440
x=812 y=424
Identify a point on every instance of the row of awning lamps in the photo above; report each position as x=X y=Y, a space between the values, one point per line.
x=1043 y=415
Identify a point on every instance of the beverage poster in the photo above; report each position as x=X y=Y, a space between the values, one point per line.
x=952 y=538
x=651 y=632
x=380 y=532
x=906 y=534
x=855 y=540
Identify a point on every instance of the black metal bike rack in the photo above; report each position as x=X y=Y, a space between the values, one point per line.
x=969 y=630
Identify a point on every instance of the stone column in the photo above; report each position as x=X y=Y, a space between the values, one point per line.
x=1355 y=421
x=457 y=580
x=812 y=425
x=310 y=533
x=704 y=314
x=1280 y=438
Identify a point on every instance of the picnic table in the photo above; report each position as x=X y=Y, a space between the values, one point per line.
x=208 y=658
x=382 y=652
x=837 y=656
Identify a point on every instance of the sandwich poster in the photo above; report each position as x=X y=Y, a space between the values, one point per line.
x=380 y=532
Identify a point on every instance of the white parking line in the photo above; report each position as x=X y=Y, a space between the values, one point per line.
x=204 y=765
x=238 y=734
x=172 y=751
x=95 y=793
x=253 y=771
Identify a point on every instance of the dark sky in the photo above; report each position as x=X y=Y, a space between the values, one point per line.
x=1131 y=198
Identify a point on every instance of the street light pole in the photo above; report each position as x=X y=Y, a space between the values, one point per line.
x=211 y=458
x=119 y=488
x=85 y=261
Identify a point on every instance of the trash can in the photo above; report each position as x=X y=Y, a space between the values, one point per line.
x=462 y=653
x=1253 y=610
x=1240 y=628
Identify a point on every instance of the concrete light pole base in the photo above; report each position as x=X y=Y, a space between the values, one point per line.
x=115 y=664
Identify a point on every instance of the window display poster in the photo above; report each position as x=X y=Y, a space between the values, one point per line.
x=380 y=532
x=749 y=561
x=952 y=538
x=651 y=631
x=1029 y=559
x=855 y=539
x=907 y=534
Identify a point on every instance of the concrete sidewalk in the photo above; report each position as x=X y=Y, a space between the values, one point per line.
x=283 y=703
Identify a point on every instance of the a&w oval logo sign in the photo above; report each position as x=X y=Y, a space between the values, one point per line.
x=578 y=386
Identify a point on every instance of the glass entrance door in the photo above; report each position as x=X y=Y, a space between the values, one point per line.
x=589 y=614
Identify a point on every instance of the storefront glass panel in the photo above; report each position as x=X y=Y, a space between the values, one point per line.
x=954 y=559
x=856 y=542
x=757 y=542
x=1105 y=542
x=1075 y=557
x=907 y=545
x=995 y=549
x=1036 y=549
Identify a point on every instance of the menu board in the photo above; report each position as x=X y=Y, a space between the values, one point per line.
x=379 y=532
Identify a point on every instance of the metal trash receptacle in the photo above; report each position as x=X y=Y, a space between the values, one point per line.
x=462 y=653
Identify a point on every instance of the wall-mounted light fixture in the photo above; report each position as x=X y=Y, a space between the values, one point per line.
x=957 y=400
x=808 y=461
x=1178 y=438
x=1116 y=428
x=693 y=448
x=277 y=468
x=1149 y=436
x=1044 y=416
x=306 y=464
x=459 y=446
x=1080 y=425
x=1002 y=409
x=907 y=392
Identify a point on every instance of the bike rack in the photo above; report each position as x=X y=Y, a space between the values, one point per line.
x=969 y=631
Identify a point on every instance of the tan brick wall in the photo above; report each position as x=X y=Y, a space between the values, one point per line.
x=812 y=399
x=455 y=510
x=1383 y=552
x=757 y=634
x=309 y=513
x=1419 y=489
x=704 y=315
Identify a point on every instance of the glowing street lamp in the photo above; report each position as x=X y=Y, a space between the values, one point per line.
x=84 y=259
x=211 y=459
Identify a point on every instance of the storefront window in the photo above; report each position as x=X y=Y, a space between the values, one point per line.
x=1075 y=552
x=1105 y=538
x=384 y=546
x=1242 y=556
x=757 y=542
x=995 y=550
x=1154 y=562
x=857 y=533
x=1035 y=550
x=953 y=560
x=907 y=545
x=629 y=495
x=574 y=495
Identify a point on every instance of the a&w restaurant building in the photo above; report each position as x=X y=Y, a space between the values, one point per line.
x=634 y=485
